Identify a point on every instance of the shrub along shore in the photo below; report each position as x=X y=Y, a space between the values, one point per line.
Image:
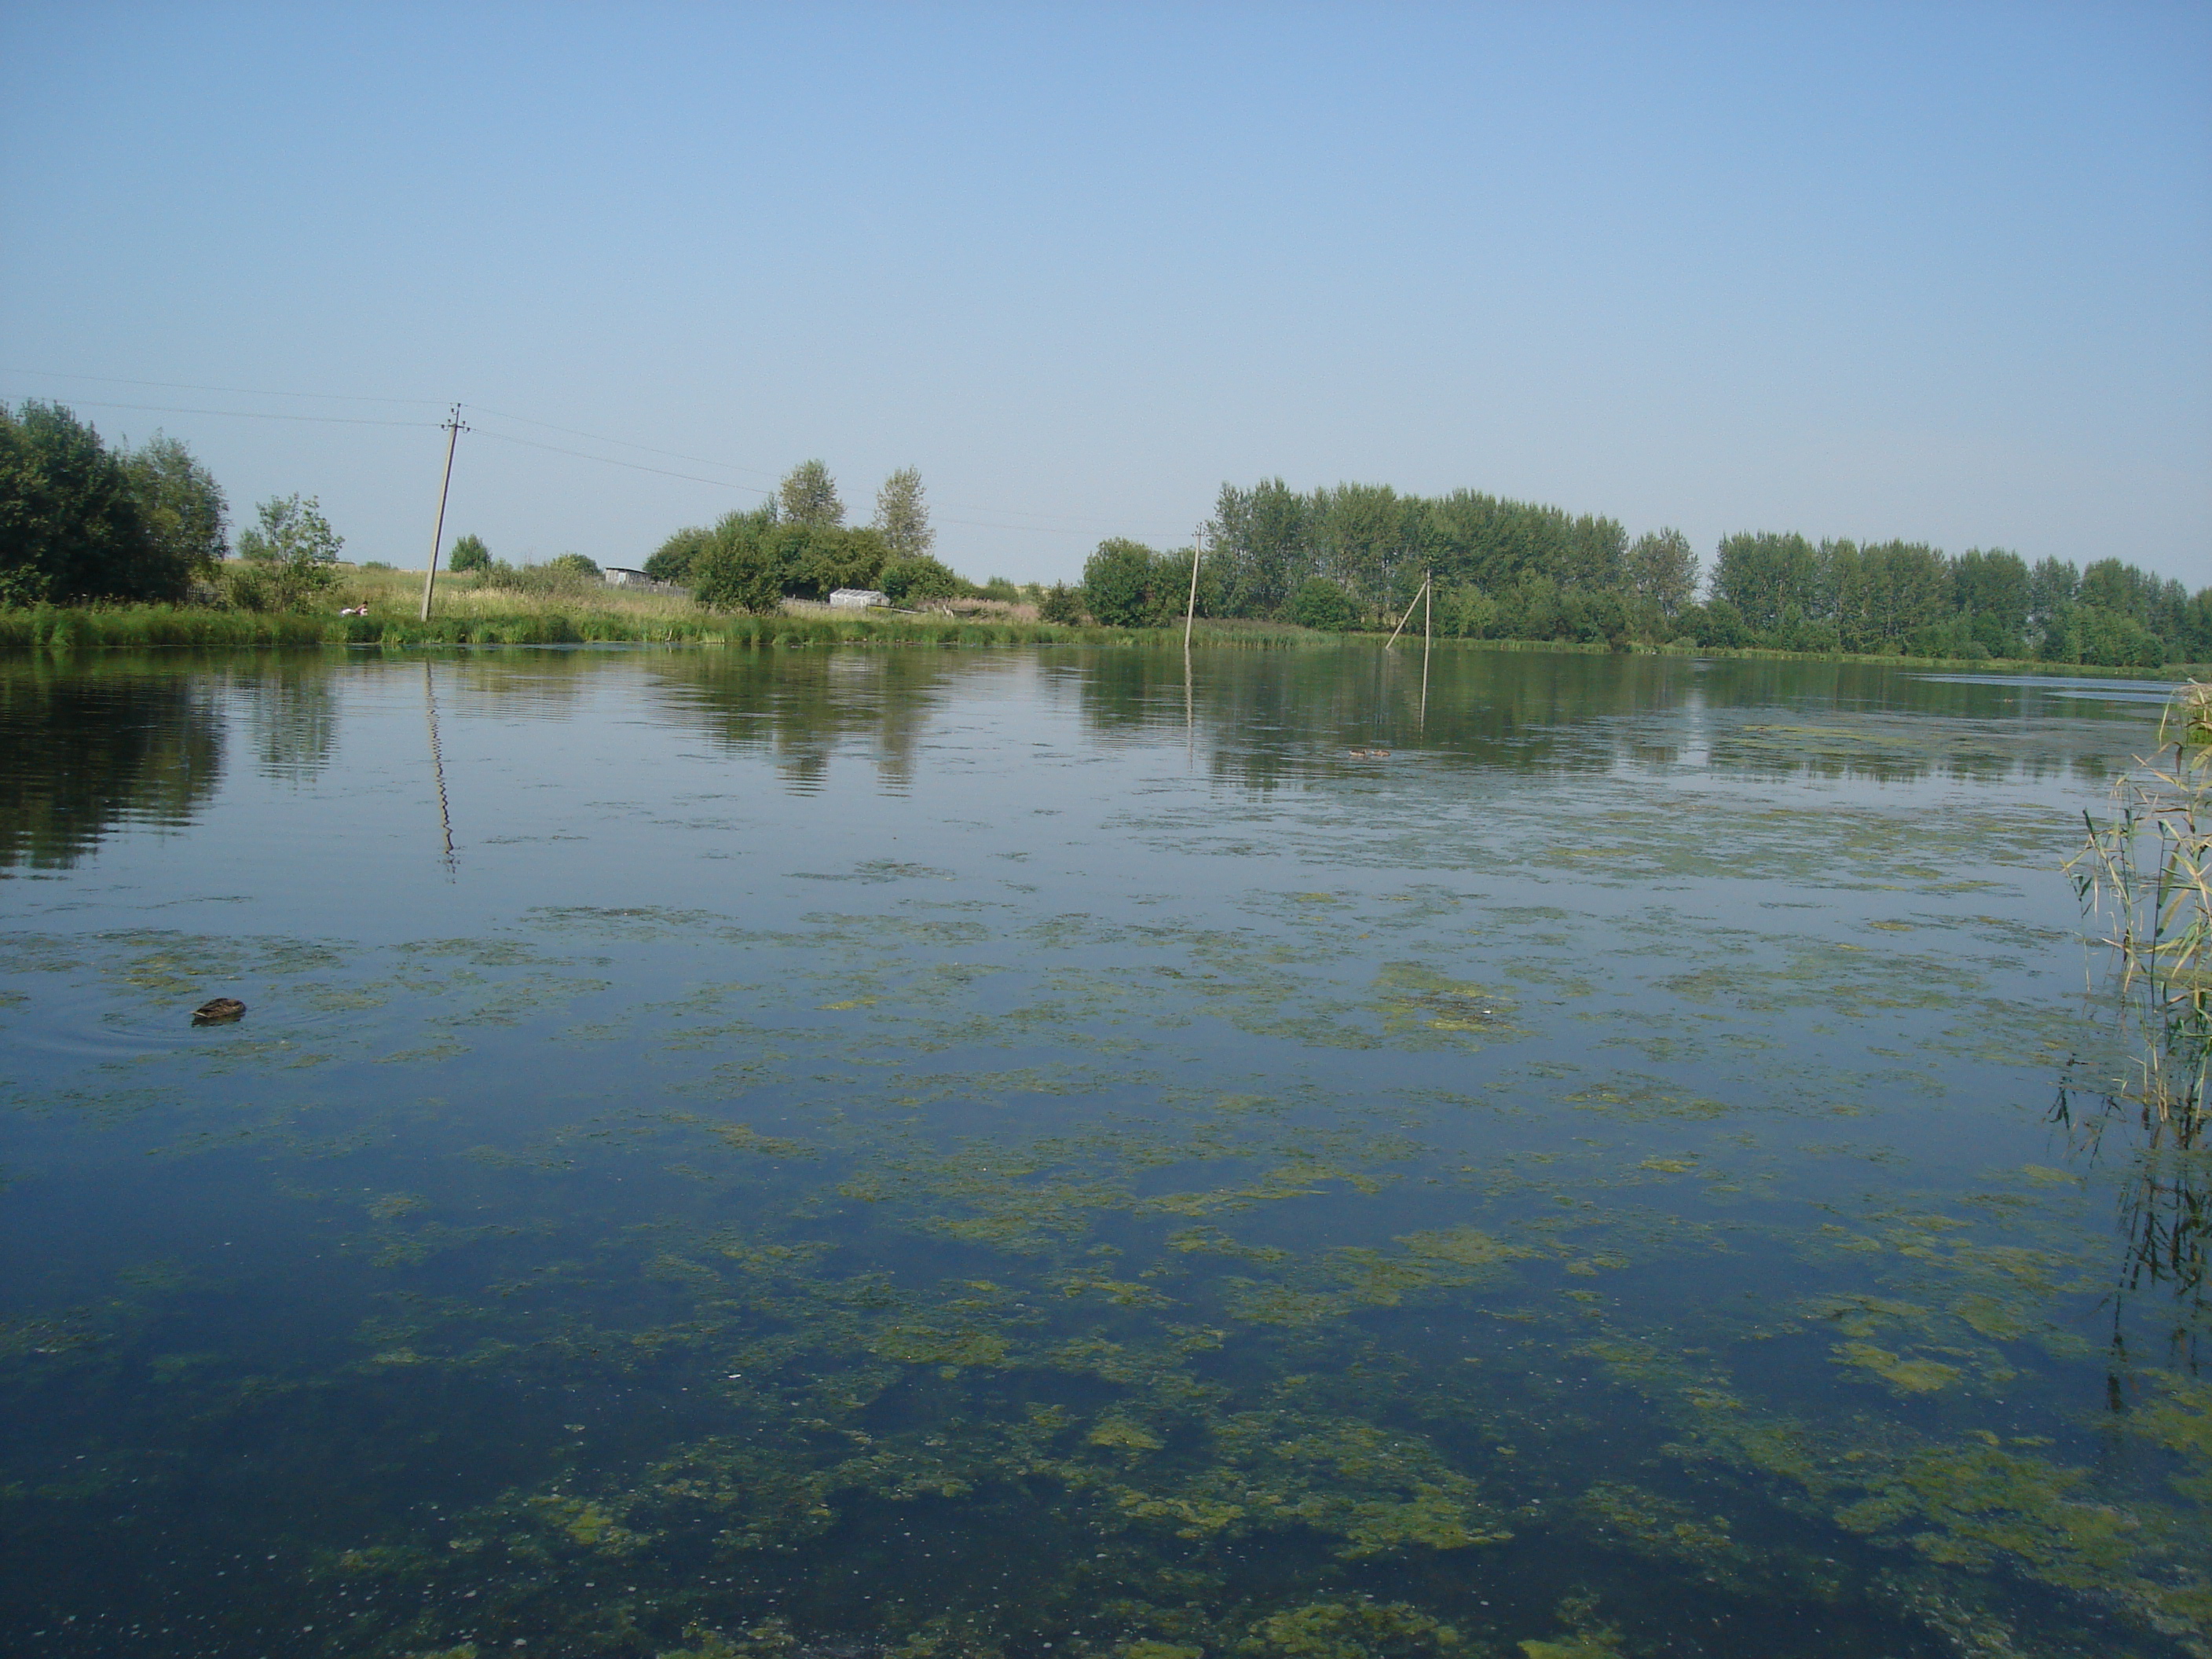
x=68 y=629
x=65 y=630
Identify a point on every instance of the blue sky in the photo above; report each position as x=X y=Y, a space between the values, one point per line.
x=1940 y=272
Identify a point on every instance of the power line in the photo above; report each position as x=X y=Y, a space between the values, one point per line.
x=239 y=391
x=252 y=413
x=719 y=484
x=609 y=460
x=765 y=472
x=600 y=438
x=1067 y=525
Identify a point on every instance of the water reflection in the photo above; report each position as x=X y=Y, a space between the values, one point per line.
x=89 y=750
x=801 y=709
x=290 y=704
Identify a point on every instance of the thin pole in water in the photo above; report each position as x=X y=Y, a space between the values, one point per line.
x=1197 y=542
x=453 y=430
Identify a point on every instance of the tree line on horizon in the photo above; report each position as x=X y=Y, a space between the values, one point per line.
x=1355 y=555
x=80 y=521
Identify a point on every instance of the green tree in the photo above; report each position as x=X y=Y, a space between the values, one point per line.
x=72 y=524
x=181 y=503
x=575 y=564
x=1258 y=543
x=1993 y=584
x=469 y=554
x=816 y=560
x=1661 y=568
x=1121 y=584
x=290 y=532
x=1061 y=604
x=1763 y=573
x=902 y=515
x=919 y=580
x=1317 y=602
x=736 y=570
x=672 y=560
x=808 y=495
x=1363 y=535
x=289 y=552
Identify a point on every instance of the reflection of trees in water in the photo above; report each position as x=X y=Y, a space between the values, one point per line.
x=1268 y=713
x=291 y=715
x=88 y=749
x=800 y=706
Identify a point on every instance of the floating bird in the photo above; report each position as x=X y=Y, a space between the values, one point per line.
x=221 y=1012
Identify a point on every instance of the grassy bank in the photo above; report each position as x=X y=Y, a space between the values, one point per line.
x=470 y=612
x=143 y=626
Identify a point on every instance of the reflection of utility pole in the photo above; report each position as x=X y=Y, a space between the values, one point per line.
x=1197 y=544
x=453 y=430
x=437 y=762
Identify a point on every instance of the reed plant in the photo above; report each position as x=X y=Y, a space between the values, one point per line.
x=2146 y=873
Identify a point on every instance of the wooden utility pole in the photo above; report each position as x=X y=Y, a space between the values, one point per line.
x=1197 y=545
x=453 y=430
x=1408 y=616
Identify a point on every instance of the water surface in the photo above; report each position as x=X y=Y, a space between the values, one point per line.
x=1031 y=1152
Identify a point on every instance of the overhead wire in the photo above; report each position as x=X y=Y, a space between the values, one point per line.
x=256 y=415
x=237 y=391
x=1067 y=524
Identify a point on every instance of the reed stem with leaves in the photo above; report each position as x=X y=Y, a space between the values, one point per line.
x=2146 y=873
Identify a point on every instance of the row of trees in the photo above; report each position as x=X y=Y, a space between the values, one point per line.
x=796 y=544
x=80 y=522
x=1905 y=596
x=1355 y=555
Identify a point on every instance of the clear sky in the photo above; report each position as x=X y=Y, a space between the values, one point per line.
x=1941 y=272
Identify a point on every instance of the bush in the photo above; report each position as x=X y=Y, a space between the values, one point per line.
x=469 y=554
x=576 y=562
x=1061 y=604
x=1320 y=603
x=919 y=579
x=672 y=561
x=815 y=560
x=1120 y=585
x=736 y=569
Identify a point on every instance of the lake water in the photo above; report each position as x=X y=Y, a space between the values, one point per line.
x=1027 y=1153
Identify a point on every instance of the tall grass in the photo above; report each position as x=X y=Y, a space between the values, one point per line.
x=2146 y=872
x=484 y=622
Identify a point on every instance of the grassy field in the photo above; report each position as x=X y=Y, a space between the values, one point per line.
x=467 y=611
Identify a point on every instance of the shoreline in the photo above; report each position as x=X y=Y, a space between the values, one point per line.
x=65 y=630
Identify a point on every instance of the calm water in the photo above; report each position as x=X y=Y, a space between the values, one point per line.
x=1009 y=1153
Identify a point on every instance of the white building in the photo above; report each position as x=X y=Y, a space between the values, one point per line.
x=620 y=576
x=857 y=599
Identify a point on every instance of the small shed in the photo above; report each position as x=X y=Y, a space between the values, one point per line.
x=622 y=576
x=857 y=599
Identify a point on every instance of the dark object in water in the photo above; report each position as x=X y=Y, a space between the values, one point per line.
x=221 y=1012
